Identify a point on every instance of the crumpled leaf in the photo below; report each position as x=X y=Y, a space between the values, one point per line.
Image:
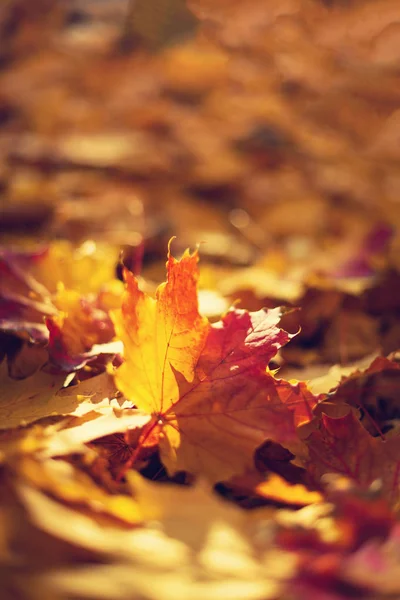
x=342 y=445
x=72 y=288
x=63 y=359
x=374 y=390
x=81 y=330
x=206 y=386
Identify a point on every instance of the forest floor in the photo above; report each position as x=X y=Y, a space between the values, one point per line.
x=227 y=425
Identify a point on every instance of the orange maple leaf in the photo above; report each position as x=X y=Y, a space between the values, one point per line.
x=206 y=386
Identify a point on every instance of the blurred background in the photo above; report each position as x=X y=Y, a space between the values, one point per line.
x=267 y=132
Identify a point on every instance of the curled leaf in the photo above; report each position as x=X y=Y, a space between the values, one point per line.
x=342 y=445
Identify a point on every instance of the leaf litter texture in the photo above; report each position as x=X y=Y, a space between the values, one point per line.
x=206 y=390
x=169 y=559
x=227 y=553
x=315 y=76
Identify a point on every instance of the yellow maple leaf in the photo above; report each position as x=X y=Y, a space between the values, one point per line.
x=160 y=336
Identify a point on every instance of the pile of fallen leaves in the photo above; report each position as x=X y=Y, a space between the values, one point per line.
x=234 y=432
x=150 y=453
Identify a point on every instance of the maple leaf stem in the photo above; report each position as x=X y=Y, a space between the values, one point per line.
x=373 y=423
x=132 y=459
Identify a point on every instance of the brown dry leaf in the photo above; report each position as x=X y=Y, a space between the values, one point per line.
x=342 y=445
x=374 y=390
x=350 y=336
x=25 y=400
